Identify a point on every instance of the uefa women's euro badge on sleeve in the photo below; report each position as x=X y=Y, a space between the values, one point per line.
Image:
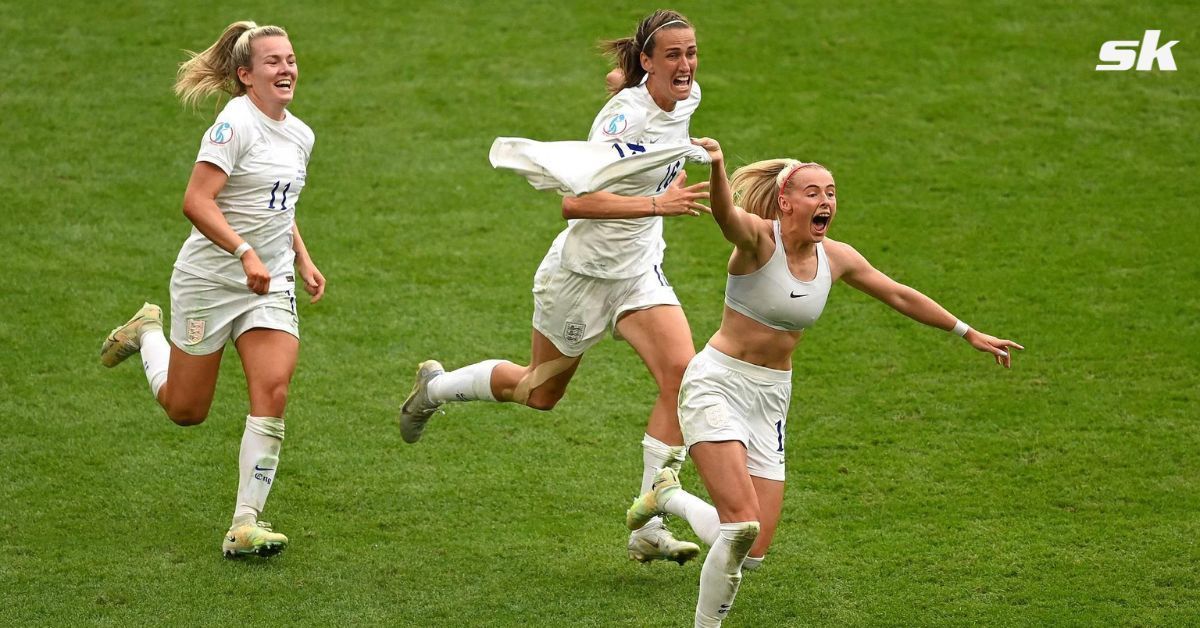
x=576 y=168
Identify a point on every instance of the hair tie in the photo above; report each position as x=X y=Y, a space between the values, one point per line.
x=782 y=179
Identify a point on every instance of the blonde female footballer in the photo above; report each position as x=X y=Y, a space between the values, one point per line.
x=234 y=278
x=735 y=394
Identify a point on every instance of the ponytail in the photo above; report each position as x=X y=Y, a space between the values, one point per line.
x=215 y=69
x=757 y=187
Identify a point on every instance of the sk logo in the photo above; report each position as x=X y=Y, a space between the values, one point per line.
x=1119 y=59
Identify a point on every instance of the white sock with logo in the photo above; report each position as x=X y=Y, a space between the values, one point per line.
x=698 y=513
x=722 y=572
x=469 y=383
x=256 y=464
x=156 y=355
x=656 y=455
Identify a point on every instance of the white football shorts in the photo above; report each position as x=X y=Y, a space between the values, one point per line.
x=205 y=314
x=574 y=310
x=726 y=399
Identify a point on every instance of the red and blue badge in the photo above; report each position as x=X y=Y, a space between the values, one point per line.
x=220 y=134
x=615 y=125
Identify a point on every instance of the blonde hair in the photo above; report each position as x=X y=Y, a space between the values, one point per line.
x=625 y=52
x=215 y=69
x=757 y=187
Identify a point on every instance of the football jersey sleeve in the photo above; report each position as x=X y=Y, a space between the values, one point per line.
x=222 y=143
x=621 y=120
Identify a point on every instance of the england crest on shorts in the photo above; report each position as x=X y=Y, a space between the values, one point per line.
x=195 y=331
x=573 y=332
x=716 y=416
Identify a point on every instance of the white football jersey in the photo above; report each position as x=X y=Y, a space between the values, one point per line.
x=266 y=161
x=618 y=249
x=577 y=168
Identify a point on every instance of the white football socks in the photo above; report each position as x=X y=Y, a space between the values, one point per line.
x=699 y=514
x=156 y=354
x=469 y=383
x=752 y=564
x=722 y=572
x=656 y=455
x=256 y=464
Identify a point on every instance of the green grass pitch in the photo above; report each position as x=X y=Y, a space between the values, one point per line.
x=980 y=158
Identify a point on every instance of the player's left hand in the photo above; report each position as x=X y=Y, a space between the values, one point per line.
x=1000 y=348
x=314 y=281
x=682 y=199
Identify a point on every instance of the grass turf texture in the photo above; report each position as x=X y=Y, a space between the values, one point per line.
x=979 y=156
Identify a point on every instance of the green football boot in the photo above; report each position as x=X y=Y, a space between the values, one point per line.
x=647 y=506
x=126 y=340
x=253 y=538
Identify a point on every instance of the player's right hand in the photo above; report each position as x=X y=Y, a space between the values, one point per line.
x=713 y=148
x=257 y=277
x=681 y=199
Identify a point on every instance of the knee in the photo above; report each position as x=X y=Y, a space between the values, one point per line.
x=745 y=514
x=671 y=377
x=278 y=396
x=541 y=399
x=185 y=416
x=274 y=396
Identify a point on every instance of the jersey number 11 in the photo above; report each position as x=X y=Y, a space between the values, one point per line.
x=283 y=199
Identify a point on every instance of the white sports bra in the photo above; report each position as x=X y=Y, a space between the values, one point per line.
x=773 y=297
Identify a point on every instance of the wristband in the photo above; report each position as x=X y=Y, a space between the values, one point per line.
x=960 y=328
x=653 y=206
x=241 y=249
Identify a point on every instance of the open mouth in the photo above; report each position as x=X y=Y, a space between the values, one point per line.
x=821 y=222
x=682 y=81
x=284 y=84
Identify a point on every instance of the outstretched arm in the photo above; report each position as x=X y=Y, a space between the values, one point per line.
x=738 y=227
x=680 y=199
x=859 y=273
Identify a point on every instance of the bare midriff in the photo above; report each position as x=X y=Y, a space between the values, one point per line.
x=745 y=339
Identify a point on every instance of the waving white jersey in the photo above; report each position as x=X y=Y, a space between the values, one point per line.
x=266 y=161
x=577 y=168
x=618 y=249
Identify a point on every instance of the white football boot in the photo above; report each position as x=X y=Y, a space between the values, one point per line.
x=653 y=541
x=418 y=408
